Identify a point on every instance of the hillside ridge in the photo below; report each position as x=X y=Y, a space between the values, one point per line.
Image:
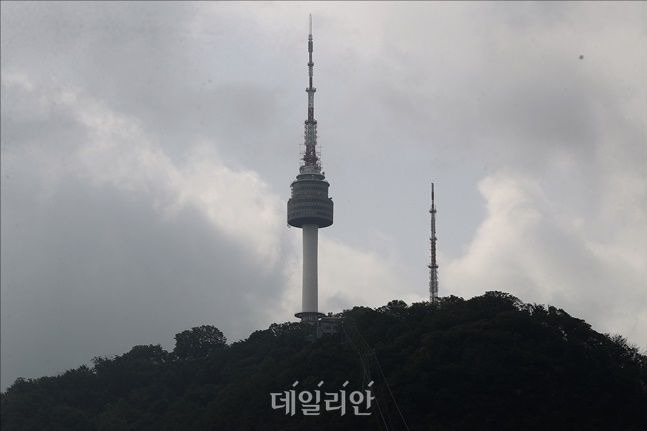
x=490 y=362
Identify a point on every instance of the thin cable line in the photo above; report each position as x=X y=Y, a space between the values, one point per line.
x=366 y=372
x=386 y=382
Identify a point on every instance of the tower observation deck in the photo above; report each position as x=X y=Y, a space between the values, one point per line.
x=309 y=206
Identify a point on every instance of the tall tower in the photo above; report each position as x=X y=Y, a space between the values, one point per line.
x=433 y=266
x=310 y=208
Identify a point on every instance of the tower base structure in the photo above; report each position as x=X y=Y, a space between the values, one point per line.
x=309 y=316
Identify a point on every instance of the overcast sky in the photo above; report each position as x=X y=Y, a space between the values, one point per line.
x=148 y=149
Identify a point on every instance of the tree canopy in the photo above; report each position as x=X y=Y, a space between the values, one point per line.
x=199 y=342
x=488 y=363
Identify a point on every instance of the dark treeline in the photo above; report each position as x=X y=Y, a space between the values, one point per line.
x=488 y=363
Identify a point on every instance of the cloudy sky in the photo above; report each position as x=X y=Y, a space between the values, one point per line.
x=147 y=152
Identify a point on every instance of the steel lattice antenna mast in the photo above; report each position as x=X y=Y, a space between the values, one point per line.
x=433 y=266
x=309 y=207
x=310 y=157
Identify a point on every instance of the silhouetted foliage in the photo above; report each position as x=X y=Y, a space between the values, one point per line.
x=198 y=342
x=488 y=363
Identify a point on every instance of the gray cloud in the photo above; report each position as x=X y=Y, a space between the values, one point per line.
x=147 y=151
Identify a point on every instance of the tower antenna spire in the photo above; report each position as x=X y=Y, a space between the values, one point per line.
x=310 y=158
x=433 y=266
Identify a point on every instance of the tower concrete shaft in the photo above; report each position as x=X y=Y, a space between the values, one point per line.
x=309 y=298
x=309 y=206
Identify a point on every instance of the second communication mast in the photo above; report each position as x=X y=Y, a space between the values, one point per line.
x=433 y=266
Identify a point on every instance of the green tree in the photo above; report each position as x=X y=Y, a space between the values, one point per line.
x=198 y=342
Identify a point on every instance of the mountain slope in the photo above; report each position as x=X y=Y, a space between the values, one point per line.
x=490 y=362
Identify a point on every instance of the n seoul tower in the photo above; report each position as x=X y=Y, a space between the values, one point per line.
x=310 y=208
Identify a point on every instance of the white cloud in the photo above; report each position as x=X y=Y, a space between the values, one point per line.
x=93 y=272
x=591 y=268
x=119 y=152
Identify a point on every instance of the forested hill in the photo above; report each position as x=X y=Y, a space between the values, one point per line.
x=488 y=363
